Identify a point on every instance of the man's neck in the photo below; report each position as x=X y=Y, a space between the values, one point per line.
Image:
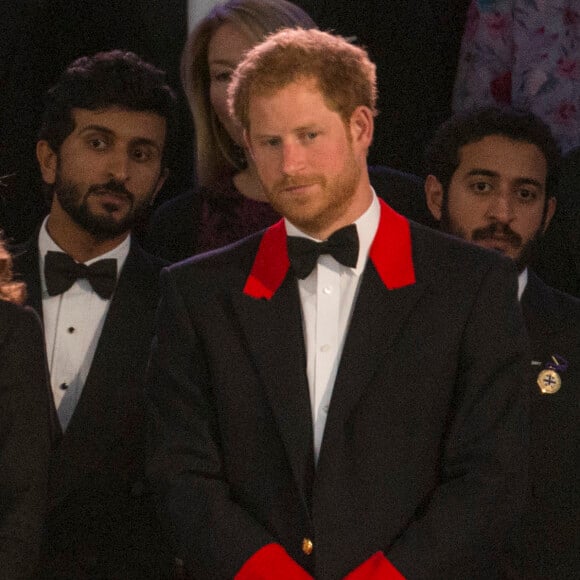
x=76 y=241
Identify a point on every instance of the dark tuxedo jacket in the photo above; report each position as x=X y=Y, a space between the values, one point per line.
x=546 y=544
x=426 y=427
x=24 y=440
x=101 y=521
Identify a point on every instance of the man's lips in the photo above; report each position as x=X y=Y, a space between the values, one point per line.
x=111 y=196
x=111 y=192
x=112 y=201
x=295 y=187
x=498 y=242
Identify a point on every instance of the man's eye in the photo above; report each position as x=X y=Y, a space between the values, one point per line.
x=481 y=187
x=271 y=142
x=142 y=154
x=526 y=194
x=97 y=143
x=308 y=136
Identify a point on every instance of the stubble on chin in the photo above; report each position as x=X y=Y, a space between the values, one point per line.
x=102 y=226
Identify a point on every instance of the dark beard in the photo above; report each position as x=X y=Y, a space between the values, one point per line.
x=101 y=227
x=527 y=250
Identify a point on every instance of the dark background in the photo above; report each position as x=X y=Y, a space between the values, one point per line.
x=414 y=43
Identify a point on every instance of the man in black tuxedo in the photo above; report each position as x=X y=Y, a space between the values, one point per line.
x=103 y=153
x=351 y=407
x=492 y=179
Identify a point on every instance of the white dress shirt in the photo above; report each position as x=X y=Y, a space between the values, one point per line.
x=327 y=296
x=522 y=282
x=73 y=322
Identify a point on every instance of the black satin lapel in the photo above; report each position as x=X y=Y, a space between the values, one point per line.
x=379 y=314
x=275 y=337
x=541 y=313
x=113 y=378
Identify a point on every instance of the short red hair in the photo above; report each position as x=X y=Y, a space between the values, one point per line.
x=343 y=72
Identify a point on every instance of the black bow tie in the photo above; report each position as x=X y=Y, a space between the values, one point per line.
x=61 y=272
x=304 y=253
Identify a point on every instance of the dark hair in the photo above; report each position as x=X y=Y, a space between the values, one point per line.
x=442 y=154
x=108 y=79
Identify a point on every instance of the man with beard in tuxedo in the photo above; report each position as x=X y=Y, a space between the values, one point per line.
x=103 y=154
x=492 y=178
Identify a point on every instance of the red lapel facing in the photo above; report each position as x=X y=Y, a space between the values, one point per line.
x=391 y=250
x=270 y=265
x=391 y=253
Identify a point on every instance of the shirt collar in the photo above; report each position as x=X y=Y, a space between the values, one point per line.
x=366 y=227
x=391 y=252
x=522 y=282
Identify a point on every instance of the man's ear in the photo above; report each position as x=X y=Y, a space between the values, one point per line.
x=362 y=126
x=47 y=160
x=550 y=211
x=434 y=196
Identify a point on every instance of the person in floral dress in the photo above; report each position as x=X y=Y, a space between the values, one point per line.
x=524 y=53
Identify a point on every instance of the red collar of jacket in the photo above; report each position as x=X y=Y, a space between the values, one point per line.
x=390 y=252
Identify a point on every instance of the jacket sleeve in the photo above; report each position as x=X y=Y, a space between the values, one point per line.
x=24 y=442
x=483 y=473
x=213 y=534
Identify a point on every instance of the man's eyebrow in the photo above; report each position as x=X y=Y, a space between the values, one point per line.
x=145 y=141
x=99 y=128
x=307 y=126
x=264 y=135
x=107 y=131
x=301 y=129
x=518 y=181
x=480 y=171
x=528 y=181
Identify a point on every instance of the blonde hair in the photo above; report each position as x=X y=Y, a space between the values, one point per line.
x=10 y=290
x=216 y=152
x=343 y=72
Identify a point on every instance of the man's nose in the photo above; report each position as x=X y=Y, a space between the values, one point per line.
x=501 y=206
x=292 y=158
x=118 y=166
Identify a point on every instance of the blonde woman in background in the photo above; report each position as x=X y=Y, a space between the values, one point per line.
x=229 y=202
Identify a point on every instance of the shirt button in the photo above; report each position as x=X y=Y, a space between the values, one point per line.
x=70 y=329
x=325 y=409
x=63 y=387
x=325 y=348
x=307 y=546
x=327 y=289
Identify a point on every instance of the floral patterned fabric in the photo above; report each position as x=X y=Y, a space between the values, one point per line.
x=525 y=53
